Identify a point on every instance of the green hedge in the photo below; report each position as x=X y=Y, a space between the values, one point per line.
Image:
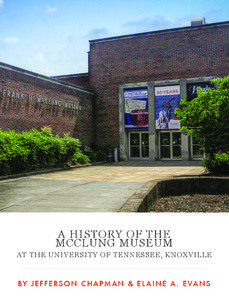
x=35 y=149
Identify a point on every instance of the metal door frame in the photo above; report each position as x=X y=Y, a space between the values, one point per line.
x=170 y=146
x=140 y=145
x=200 y=156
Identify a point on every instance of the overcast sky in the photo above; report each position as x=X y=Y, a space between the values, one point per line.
x=51 y=37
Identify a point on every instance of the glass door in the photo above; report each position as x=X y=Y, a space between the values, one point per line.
x=139 y=144
x=165 y=145
x=170 y=145
x=196 y=150
x=134 y=144
x=176 y=145
x=144 y=144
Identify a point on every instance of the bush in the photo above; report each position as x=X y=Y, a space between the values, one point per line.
x=79 y=158
x=207 y=119
x=35 y=149
x=12 y=152
x=90 y=153
x=219 y=164
x=101 y=155
x=95 y=155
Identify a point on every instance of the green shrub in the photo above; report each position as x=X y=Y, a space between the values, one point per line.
x=92 y=154
x=79 y=158
x=12 y=152
x=101 y=155
x=219 y=164
x=206 y=118
x=35 y=149
x=95 y=155
x=103 y=152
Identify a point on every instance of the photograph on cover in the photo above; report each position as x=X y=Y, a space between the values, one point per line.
x=114 y=148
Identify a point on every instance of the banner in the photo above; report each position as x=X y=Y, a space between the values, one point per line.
x=167 y=99
x=136 y=108
x=192 y=89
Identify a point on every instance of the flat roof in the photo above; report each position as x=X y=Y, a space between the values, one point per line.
x=159 y=32
x=70 y=75
x=43 y=77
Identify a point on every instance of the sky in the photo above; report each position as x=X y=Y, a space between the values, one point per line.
x=51 y=37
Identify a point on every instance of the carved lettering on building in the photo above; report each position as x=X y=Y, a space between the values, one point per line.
x=67 y=107
x=12 y=94
x=72 y=106
x=49 y=101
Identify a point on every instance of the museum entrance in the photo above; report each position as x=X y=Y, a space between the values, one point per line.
x=139 y=145
x=170 y=145
x=196 y=150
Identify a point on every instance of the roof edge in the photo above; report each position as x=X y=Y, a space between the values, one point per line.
x=158 y=31
x=43 y=77
x=70 y=75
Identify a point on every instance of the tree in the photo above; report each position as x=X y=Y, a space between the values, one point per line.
x=207 y=119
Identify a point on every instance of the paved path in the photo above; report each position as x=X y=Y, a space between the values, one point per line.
x=101 y=188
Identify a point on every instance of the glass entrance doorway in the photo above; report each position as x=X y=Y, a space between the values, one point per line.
x=170 y=145
x=196 y=150
x=139 y=144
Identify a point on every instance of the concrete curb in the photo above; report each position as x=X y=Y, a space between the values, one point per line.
x=146 y=196
x=46 y=171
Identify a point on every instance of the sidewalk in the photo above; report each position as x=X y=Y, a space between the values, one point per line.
x=101 y=188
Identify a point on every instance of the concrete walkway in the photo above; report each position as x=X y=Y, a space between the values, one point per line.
x=101 y=188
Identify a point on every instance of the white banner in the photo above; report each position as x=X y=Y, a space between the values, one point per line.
x=167 y=90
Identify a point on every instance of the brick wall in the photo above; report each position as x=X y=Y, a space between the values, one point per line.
x=188 y=52
x=29 y=100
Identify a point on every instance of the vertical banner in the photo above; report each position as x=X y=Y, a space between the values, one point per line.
x=167 y=99
x=136 y=108
x=192 y=89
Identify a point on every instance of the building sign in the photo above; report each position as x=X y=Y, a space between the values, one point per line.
x=136 y=108
x=167 y=99
x=16 y=98
x=192 y=89
x=12 y=94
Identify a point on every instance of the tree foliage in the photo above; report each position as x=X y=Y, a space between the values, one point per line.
x=207 y=119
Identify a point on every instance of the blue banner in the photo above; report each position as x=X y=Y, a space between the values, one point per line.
x=136 y=108
x=167 y=99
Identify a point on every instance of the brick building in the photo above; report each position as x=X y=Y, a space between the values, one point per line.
x=29 y=100
x=139 y=79
x=128 y=97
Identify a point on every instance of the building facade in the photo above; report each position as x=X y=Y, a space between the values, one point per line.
x=127 y=100
x=139 y=80
x=29 y=100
